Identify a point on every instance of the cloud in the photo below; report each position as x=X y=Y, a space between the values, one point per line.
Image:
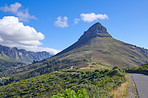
x=50 y=50
x=76 y=20
x=13 y=33
x=13 y=8
x=16 y=9
x=61 y=22
x=92 y=17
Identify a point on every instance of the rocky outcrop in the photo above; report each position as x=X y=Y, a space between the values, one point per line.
x=97 y=30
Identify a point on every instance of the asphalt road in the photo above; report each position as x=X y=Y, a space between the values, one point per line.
x=141 y=82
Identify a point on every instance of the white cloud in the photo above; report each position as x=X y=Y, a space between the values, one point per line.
x=39 y=49
x=13 y=7
x=76 y=20
x=14 y=34
x=92 y=17
x=16 y=9
x=52 y=51
x=61 y=22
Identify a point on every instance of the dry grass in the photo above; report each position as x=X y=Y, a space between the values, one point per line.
x=93 y=67
x=121 y=91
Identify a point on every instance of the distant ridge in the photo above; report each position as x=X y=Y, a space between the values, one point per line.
x=21 y=55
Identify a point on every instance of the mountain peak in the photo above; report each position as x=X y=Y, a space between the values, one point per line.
x=96 y=30
x=97 y=26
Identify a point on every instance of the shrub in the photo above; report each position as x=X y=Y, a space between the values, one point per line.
x=72 y=94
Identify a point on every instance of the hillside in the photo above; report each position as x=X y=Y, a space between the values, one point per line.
x=8 y=65
x=97 y=83
x=96 y=48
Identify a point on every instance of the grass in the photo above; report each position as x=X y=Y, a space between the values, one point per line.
x=121 y=91
x=93 y=67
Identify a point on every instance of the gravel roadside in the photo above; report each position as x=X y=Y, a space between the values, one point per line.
x=132 y=91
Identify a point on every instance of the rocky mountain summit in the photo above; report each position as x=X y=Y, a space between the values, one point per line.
x=97 y=30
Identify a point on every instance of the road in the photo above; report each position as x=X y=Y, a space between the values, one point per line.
x=141 y=82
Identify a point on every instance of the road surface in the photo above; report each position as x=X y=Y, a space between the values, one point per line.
x=141 y=82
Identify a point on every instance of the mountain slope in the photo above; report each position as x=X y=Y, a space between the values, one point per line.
x=7 y=65
x=98 y=46
x=13 y=58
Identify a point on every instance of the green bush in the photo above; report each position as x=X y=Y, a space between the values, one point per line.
x=143 y=69
x=72 y=94
x=117 y=71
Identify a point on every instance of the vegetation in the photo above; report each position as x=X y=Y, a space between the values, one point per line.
x=6 y=81
x=6 y=65
x=143 y=69
x=121 y=91
x=47 y=66
x=72 y=94
x=34 y=70
x=97 y=83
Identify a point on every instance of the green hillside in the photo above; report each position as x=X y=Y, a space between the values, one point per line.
x=8 y=64
x=97 y=83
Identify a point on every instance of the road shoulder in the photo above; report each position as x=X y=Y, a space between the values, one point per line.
x=132 y=90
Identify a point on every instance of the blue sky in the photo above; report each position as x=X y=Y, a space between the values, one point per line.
x=125 y=20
